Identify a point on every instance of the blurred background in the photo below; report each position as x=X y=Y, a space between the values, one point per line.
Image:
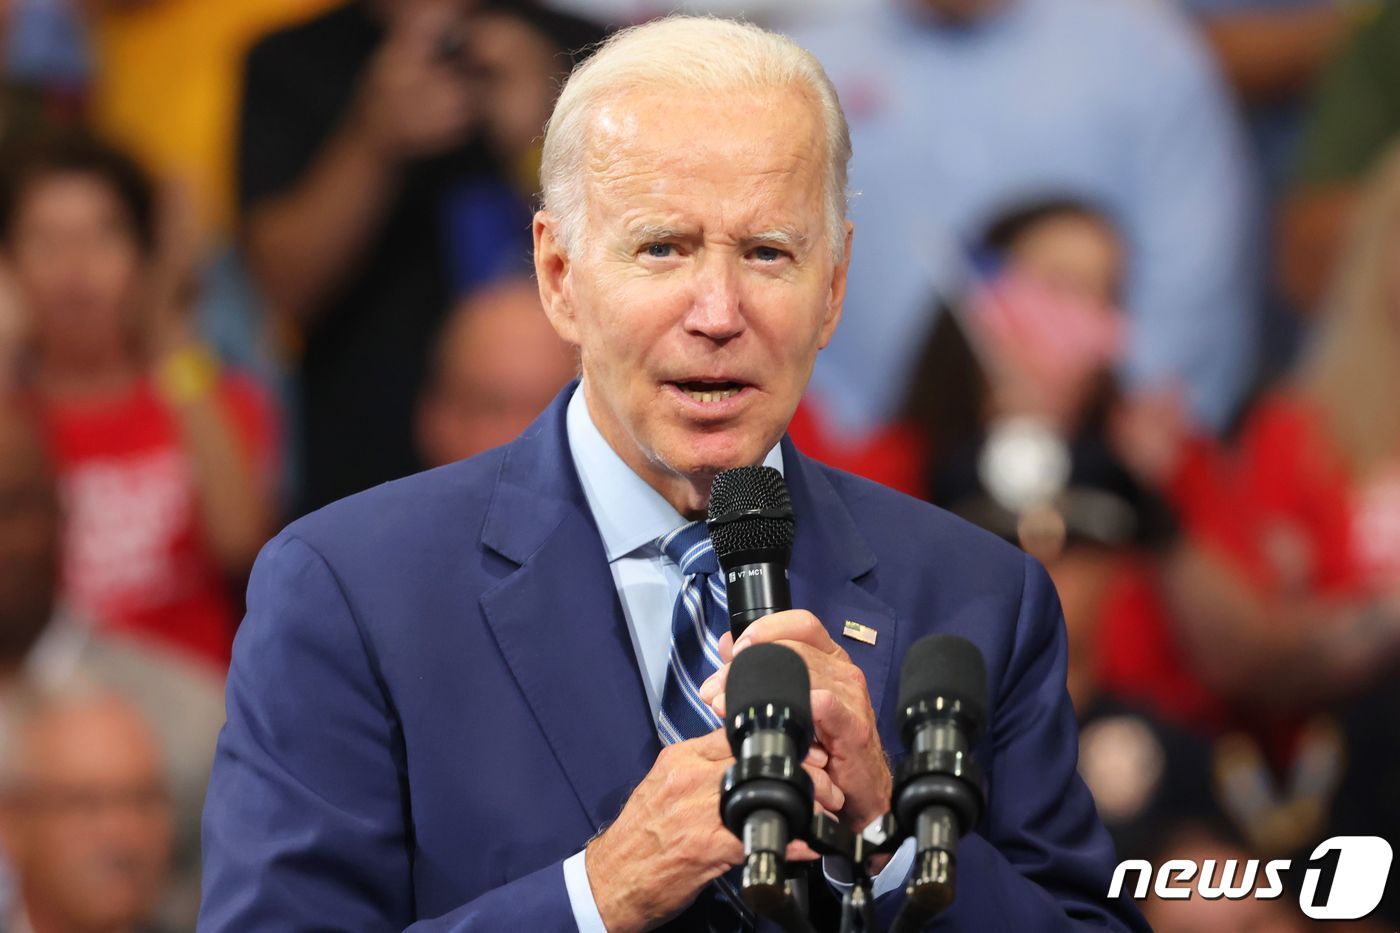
x=1125 y=292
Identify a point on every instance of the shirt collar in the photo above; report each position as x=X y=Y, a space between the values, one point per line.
x=630 y=514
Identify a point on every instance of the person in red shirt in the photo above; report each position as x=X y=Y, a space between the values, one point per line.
x=164 y=460
x=1285 y=587
x=1290 y=596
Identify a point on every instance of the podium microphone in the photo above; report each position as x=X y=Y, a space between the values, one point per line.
x=766 y=797
x=751 y=527
x=938 y=794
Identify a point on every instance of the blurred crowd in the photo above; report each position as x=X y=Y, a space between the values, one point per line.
x=1125 y=292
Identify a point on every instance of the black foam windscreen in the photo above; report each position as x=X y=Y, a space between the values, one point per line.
x=946 y=666
x=750 y=510
x=769 y=676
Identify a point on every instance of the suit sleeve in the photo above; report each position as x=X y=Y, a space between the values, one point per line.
x=306 y=819
x=1040 y=860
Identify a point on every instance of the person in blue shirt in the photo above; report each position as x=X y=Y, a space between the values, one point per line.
x=961 y=107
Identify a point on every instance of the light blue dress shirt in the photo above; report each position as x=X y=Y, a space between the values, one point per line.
x=1114 y=101
x=631 y=516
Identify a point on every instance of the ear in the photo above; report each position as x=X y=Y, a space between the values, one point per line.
x=836 y=297
x=552 y=268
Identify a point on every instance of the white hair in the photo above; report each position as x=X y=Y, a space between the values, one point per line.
x=698 y=53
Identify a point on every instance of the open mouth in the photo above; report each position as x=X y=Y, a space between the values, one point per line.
x=705 y=391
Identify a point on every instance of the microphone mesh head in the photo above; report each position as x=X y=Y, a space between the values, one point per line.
x=766 y=675
x=750 y=489
x=946 y=666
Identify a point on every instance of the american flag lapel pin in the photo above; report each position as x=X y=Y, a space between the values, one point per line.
x=859 y=632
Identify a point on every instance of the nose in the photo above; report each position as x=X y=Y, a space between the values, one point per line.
x=717 y=311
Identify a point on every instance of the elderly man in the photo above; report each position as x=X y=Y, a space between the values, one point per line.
x=448 y=701
x=45 y=645
x=84 y=814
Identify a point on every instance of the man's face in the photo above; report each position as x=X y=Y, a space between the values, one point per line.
x=88 y=822
x=702 y=285
x=500 y=364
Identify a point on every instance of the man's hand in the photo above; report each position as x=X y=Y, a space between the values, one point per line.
x=412 y=104
x=843 y=718
x=668 y=842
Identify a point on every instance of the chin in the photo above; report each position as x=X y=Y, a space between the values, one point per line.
x=706 y=455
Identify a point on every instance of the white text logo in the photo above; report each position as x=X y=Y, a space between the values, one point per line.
x=1354 y=869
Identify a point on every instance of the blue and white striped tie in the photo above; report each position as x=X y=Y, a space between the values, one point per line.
x=701 y=616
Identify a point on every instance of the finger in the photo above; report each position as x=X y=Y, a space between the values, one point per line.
x=819 y=664
x=838 y=727
x=832 y=672
x=717 y=704
x=728 y=851
x=797 y=625
x=824 y=791
x=799 y=851
x=726 y=647
x=712 y=747
x=713 y=685
x=817 y=757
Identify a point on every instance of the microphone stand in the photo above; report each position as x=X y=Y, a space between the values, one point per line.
x=826 y=836
x=929 y=889
x=769 y=890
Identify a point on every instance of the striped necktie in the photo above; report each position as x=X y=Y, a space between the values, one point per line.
x=701 y=616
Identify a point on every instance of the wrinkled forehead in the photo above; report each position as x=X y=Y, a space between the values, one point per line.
x=743 y=148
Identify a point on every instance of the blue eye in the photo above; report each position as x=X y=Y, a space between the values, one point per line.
x=660 y=250
x=767 y=254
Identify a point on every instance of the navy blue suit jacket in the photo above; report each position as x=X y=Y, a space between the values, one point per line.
x=434 y=701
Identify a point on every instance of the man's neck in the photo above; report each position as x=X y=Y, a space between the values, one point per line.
x=688 y=495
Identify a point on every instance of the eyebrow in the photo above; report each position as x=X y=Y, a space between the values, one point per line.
x=647 y=233
x=787 y=235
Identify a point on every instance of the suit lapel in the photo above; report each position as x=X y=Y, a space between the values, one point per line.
x=560 y=627
x=832 y=572
x=559 y=623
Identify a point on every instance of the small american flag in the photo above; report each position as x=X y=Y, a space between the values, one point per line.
x=859 y=632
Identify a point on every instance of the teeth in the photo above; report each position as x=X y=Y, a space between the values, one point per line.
x=716 y=396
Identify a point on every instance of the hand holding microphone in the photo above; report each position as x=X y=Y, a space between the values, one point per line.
x=751 y=525
x=843 y=719
x=669 y=842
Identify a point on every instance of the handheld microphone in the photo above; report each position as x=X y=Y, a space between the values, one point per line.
x=766 y=797
x=938 y=793
x=751 y=527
